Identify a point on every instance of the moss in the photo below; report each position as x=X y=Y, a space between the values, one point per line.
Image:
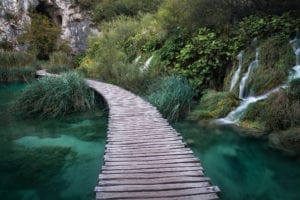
x=276 y=58
x=214 y=104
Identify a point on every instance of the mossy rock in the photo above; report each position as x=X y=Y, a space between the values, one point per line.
x=214 y=104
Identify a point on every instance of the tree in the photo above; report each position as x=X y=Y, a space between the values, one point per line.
x=41 y=35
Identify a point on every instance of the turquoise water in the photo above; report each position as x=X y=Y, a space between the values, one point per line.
x=49 y=159
x=243 y=168
x=61 y=158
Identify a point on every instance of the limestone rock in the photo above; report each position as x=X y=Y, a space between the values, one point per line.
x=75 y=23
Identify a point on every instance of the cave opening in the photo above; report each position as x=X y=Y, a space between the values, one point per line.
x=49 y=11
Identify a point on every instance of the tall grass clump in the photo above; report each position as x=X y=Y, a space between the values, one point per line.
x=17 y=74
x=15 y=58
x=172 y=96
x=55 y=96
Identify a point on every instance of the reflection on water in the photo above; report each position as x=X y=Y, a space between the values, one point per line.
x=243 y=168
x=49 y=159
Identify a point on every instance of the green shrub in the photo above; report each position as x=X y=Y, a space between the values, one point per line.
x=15 y=58
x=58 y=62
x=110 y=56
x=108 y=10
x=55 y=96
x=42 y=36
x=172 y=96
x=214 y=104
x=203 y=60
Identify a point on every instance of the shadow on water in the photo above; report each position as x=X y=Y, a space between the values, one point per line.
x=244 y=168
x=52 y=158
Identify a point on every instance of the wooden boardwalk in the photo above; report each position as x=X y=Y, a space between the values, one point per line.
x=145 y=158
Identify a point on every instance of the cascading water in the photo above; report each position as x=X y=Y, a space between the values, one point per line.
x=147 y=64
x=296 y=69
x=252 y=66
x=137 y=59
x=236 y=75
x=235 y=115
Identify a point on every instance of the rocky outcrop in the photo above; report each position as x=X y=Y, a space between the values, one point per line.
x=75 y=22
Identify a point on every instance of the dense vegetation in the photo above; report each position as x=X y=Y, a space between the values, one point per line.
x=193 y=46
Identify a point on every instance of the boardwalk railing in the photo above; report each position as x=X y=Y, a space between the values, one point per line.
x=145 y=158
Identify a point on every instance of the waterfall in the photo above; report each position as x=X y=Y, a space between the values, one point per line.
x=235 y=115
x=246 y=76
x=137 y=59
x=236 y=75
x=296 y=69
x=147 y=64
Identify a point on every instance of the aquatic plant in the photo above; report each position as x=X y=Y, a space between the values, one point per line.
x=172 y=95
x=55 y=96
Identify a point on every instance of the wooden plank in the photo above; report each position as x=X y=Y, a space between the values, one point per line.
x=144 y=150
x=138 y=138
x=151 y=175
x=151 y=194
x=146 y=147
x=146 y=154
x=183 y=160
x=156 y=187
x=153 y=158
x=210 y=196
x=154 y=170
x=150 y=166
x=151 y=181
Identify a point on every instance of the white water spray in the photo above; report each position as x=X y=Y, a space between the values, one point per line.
x=244 y=81
x=236 y=75
x=147 y=64
x=137 y=59
x=296 y=69
x=235 y=115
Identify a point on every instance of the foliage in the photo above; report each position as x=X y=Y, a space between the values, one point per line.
x=110 y=56
x=214 y=104
x=172 y=96
x=15 y=58
x=193 y=14
x=262 y=27
x=108 y=10
x=58 y=62
x=203 y=60
x=42 y=35
x=55 y=96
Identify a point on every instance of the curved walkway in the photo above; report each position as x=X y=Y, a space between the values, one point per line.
x=145 y=158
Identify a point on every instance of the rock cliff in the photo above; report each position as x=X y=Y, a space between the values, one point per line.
x=74 y=21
